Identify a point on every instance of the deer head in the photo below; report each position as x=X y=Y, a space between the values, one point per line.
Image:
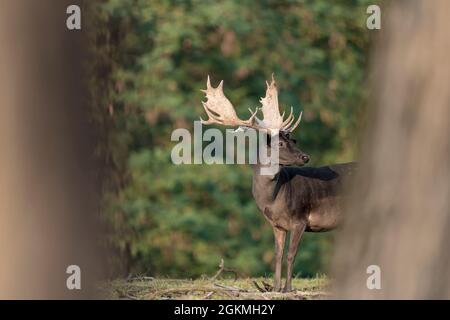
x=220 y=111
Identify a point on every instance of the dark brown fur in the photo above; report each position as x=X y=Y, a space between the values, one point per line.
x=298 y=199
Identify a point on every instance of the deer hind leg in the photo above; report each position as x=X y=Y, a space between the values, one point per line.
x=296 y=235
x=280 y=238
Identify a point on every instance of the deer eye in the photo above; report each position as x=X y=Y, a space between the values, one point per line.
x=295 y=141
x=280 y=143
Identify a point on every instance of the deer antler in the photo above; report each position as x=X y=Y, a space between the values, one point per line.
x=271 y=113
x=220 y=110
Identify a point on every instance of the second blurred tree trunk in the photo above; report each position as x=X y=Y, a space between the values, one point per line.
x=399 y=218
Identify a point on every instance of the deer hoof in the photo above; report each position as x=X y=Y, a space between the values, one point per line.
x=287 y=290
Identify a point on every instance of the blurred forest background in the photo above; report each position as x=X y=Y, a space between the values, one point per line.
x=149 y=61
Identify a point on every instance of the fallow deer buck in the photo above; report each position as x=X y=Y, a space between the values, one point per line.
x=295 y=199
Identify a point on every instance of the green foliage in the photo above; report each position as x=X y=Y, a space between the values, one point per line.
x=180 y=220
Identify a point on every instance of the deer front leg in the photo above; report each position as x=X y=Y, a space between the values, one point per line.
x=280 y=238
x=296 y=235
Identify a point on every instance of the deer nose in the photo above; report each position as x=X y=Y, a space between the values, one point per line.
x=305 y=158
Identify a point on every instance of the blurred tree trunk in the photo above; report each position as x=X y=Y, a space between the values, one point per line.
x=48 y=186
x=399 y=218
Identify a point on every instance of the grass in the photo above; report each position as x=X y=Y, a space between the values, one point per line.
x=144 y=288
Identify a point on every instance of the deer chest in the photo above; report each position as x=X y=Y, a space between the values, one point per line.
x=277 y=218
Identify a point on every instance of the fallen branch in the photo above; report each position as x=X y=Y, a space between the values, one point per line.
x=258 y=287
x=208 y=295
x=267 y=287
x=130 y=279
x=189 y=289
x=230 y=288
x=223 y=269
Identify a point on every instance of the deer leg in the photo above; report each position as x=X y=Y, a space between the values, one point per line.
x=280 y=237
x=296 y=235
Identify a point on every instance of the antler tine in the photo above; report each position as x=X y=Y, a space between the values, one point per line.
x=253 y=113
x=208 y=85
x=296 y=123
x=285 y=128
x=272 y=119
x=288 y=121
x=252 y=117
x=270 y=109
x=220 y=110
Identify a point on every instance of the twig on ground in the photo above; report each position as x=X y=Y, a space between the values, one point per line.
x=130 y=278
x=223 y=269
x=230 y=288
x=208 y=295
x=267 y=286
x=257 y=286
x=189 y=289
x=131 y=297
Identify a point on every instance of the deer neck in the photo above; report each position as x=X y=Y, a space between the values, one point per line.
x=263 y=185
